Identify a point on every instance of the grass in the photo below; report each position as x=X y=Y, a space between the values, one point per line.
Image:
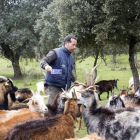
x=33 y=74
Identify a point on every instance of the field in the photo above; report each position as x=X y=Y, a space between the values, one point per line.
x=33 y=74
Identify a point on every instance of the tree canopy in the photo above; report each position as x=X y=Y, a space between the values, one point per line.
x=102 y=27
x=16 y=28
x=121 y=26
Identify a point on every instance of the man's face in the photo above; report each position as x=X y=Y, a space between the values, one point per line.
x=71 y=45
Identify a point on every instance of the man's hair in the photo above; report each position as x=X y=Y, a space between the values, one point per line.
x=68 y=38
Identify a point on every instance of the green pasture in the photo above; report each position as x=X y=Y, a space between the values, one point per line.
x=32 y=73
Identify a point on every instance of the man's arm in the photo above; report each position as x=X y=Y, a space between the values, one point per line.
x=49 y=58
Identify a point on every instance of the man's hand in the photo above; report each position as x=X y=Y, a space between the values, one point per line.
x=48 y=68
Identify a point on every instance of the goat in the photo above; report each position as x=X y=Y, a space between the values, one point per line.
x=22 y=116
x=115 y=102
x=106 y=86
x=36 y=110
x=58 y=127
x=58 y=105
x=53 y=109
x=131 y=81
x=6 y=87
x=132 y=90
x=36 y=103
x=77 y=88
x=23 y=94
x=4 y=114
x=137 y=94
x=107 y=123
x=123 y=100
x=88 y=137
x=41 y=88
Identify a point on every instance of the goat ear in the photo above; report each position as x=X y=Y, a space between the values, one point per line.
x=6 y=84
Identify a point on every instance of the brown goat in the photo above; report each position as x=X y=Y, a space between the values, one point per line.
x=57 y=107
x=24 y=115
x=4 y=114
x=37 y=109
x=58 y=127
x=88 y=137
x=6 y=88
x=79 y=88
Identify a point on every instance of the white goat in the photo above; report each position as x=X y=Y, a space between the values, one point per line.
x=40 y=87
x=35 y=104
x=131 y=81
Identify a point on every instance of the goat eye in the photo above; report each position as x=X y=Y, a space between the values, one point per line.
x=111 y=103
x=35 y=103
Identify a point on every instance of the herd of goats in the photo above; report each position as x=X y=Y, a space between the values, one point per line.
x=25 y=116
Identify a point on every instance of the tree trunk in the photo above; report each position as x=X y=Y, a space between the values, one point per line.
x=103 y=58
x=114 y=57
x=13 y=57
x=16 y=67
x=96 y=58
x=135 y=59
x=132 y=62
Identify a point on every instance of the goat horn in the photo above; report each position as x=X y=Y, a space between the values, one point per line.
x=2 y=78
x=89 y=87
x=97 y=79
x=26 y=100
x=62 y=89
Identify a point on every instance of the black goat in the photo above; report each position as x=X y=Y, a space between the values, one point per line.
x=106 y=86
x=23 y=94
x=6 y=87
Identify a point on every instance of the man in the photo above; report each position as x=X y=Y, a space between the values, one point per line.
x=59 y=64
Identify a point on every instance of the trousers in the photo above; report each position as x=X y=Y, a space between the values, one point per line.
x=52 y=91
